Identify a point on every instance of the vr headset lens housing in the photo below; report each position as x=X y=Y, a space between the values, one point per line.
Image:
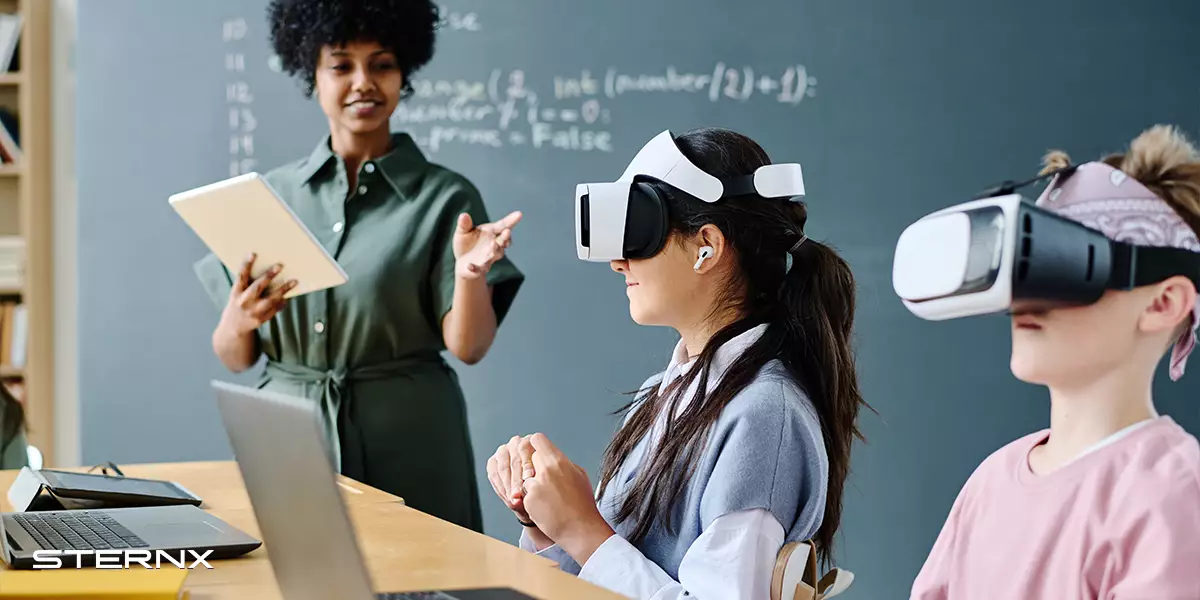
x=618 y=220
x=995 y=255
x=628 y=218
x=1007 y=254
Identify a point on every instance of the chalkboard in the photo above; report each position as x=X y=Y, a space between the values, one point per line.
x=893 y=108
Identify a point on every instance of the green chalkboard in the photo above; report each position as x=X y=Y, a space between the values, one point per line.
x=893 y=108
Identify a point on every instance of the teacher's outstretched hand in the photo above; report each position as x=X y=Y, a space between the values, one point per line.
x=476 y=248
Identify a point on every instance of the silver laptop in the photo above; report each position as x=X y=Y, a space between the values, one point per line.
x=81 y=537
x=285 y=462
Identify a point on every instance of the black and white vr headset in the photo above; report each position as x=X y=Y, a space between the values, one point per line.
x=627 y=219
x=1002 y=253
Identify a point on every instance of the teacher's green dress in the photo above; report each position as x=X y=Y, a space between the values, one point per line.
x=369 y=352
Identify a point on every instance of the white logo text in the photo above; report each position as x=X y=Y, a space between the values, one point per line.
x=120 y=559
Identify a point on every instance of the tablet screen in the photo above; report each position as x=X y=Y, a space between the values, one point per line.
x=117 y=485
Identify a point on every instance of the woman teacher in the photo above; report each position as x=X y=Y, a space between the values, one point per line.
x=427 y=271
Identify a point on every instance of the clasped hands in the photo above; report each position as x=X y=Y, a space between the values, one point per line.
x=543 y=488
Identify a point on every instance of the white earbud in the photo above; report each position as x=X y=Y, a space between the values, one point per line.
x=705 y=252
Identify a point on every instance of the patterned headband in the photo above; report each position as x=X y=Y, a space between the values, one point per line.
x=1107 y=200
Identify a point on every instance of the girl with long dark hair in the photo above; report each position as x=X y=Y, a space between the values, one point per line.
x=743 y=443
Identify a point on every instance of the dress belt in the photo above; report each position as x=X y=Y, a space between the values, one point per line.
x=335 y=386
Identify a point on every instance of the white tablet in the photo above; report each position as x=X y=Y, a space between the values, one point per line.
x=244 y=215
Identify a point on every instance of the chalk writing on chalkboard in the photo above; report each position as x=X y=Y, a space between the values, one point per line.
x=573 y=115
x=570 y=112
x=461 y=21
x=238 y=100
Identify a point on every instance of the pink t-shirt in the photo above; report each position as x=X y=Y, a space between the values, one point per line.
x=1119 y=523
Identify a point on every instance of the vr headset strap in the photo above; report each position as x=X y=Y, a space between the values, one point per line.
x=738 y=186
x=1135 y=266
x=741 y=185
x=1010 y=187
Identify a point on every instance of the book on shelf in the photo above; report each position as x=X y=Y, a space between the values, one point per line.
x=10 y=137
x=14 y=333
x=12 y=259
x=10 y=38
x=10 y=127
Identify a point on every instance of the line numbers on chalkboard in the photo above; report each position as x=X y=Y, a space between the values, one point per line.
x=234 y=30
x=238 y=99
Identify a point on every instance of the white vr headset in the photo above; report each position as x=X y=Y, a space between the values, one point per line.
x=1003 y=253
x=627 y=219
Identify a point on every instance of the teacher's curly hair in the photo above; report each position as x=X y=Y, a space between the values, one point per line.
x=300 y=28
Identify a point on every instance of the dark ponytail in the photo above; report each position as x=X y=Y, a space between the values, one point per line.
x=818 y=304
x=806 y=296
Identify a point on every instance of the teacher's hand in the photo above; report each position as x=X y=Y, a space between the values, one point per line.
x=559 y=498
x=250 y=305
x=477 y=248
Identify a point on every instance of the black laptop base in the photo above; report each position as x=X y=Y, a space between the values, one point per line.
x=158 y=537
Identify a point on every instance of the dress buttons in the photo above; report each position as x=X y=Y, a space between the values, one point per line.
x=370 y=168
x=362 y=189
x=337 y=227
x=319 y=327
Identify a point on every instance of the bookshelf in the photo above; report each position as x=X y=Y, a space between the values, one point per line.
x=26 y=213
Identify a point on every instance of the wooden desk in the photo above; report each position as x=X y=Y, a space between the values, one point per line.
x=405 y=549
x=219 y=483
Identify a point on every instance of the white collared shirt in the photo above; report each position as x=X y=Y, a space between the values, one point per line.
x=732 y=559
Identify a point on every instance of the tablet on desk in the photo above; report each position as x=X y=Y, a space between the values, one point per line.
x=244 y=215
x=66 y=481
x=52 y=489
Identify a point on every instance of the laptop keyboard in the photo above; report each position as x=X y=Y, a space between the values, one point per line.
x=83 y=531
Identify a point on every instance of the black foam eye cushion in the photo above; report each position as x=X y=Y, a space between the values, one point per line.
x=645 y=222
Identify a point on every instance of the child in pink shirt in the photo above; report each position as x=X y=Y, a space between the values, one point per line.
x=1105 y=504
